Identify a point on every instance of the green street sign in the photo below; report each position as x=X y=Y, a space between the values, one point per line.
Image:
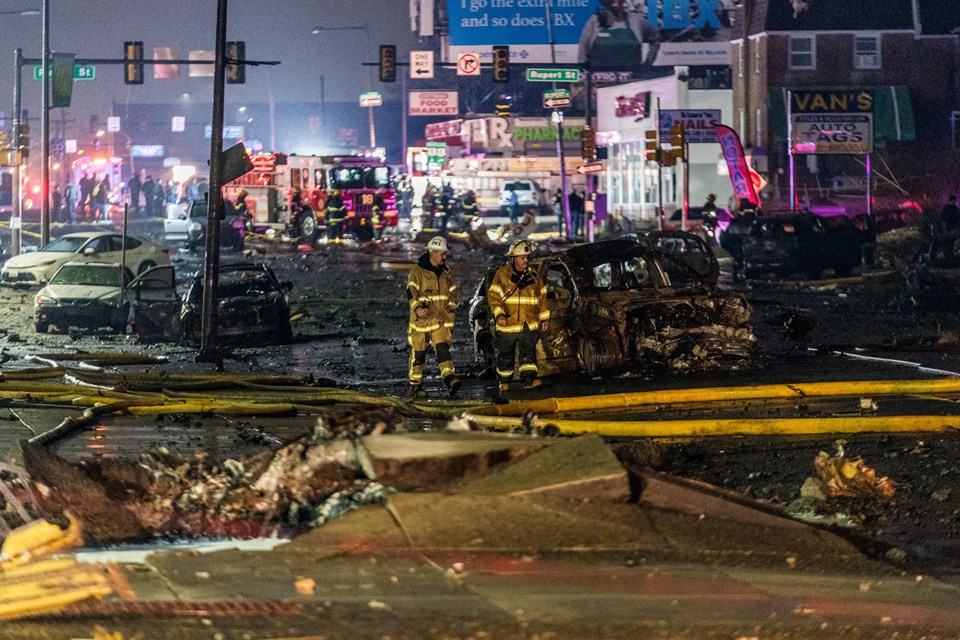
x=553 y=75
x=556 y=98
x=80 y=72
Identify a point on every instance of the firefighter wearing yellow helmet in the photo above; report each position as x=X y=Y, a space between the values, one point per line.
x=433 y=301
x=517 y=298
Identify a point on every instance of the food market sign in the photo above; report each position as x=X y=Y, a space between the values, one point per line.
x=434 y=103
x=826 y=122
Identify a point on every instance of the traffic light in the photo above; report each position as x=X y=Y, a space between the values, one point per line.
x=236 y=72
x=23 y=142
x=677 y=141
x=133 y=69
x=501 y=64
x=652 y=145
x=588 y=144
x=388 y=63
x=504 y=102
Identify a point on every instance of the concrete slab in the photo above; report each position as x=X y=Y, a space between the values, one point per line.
x=431 y=459
x=530 y=523
x=582 y=467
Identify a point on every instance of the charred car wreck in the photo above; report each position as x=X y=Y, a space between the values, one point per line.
x=784 y=243
x=614 y=308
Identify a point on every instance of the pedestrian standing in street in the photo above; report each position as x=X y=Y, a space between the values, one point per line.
x=334 y=215
x=517 y=298
x=433 y=300
x=147 y=189
x=514 y=202
x=950 y=226
x=71 y=196
x=576 y=212
x=134 y=185
x=86 y=189
x=442 y=208
x=56 y=199
x=101 y=199
x=159 y=199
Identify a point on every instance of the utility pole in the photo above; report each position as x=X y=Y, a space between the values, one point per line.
x=211 y=273
x=45 y=129
x=16 y=215
x=557 y=118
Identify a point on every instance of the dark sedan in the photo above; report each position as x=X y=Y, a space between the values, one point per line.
x=252 y=306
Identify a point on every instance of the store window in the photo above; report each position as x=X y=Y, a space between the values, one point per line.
x=866 y=52
x=803 y=52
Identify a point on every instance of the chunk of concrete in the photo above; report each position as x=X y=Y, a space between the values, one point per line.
x=581 y=468
x=428 y=460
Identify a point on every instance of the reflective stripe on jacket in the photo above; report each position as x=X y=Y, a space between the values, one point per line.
x=521 y=297
x=432 y=288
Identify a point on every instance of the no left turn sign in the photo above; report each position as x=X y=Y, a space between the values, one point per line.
x=468 y=64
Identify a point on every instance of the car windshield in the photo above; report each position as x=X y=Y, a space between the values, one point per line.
x=67 y=244
x=84 y=274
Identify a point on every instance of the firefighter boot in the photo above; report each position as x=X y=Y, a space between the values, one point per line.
x=532 y=384
x=453 y=384
x=417 y=391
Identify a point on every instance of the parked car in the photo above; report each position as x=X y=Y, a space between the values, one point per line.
x=252 y=305
x=689 y=249
x=190 y=227
x=784 y=243
x=38 y=267
x=614 y=306
x=528 y=193
x=88 y=295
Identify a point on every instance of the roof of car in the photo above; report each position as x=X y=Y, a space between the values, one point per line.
x=96 y=234
x=588 y=254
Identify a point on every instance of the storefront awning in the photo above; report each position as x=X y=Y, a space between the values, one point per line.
x=892 y=112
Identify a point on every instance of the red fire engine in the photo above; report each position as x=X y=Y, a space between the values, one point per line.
x=275 y=177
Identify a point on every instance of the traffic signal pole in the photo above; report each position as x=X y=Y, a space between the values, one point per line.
x=45 y=130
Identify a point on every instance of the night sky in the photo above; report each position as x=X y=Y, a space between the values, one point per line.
x=273 y=30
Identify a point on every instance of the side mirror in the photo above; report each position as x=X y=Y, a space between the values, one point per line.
x=44 y=282
x=286 y=285
x=89 y=251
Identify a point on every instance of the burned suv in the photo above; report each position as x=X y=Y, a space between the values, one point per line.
x=613 y=307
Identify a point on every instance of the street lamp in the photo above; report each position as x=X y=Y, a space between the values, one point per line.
x=366 y=32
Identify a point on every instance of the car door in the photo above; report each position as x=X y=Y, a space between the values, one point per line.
x=156 y=304
x=558 y=343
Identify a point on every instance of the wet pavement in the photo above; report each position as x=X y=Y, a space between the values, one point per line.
x=541 y=569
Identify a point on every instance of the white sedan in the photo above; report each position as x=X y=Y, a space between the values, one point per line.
x=38 y=266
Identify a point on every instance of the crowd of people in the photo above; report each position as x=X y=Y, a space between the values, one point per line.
x=91 y=198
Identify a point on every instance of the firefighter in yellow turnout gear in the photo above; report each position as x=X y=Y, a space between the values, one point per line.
x=518 y=301
x=433 y=301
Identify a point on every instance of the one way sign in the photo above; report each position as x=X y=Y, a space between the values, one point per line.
x=421 y=64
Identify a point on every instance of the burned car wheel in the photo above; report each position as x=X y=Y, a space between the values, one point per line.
x=42 y=327
x=600 y=354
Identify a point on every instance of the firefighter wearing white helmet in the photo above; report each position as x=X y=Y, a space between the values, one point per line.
x=517 y=298
x=433 y=301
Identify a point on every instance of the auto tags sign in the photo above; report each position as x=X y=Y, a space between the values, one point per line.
x=434 y=103
x=832 y=122
x=698 y=126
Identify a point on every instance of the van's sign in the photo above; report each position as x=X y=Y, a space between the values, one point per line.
x=825 y=122
x=434 y=103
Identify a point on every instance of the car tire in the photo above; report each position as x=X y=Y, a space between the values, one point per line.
x=147 y=264
x=42 y=327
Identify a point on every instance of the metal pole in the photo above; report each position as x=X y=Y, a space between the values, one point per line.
x=659 y=172
x=403 y=116
x=16 y=219
x=558 y=118
x=869 y=176
x=591 y=179
x=45 y=129
x=123 y=258
x=792 y=167
x=373 y=130
x=686 y=184
x=208 y=336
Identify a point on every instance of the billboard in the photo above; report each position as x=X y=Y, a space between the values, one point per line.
x=832 y=121
x=698 y=126
x=612 y=35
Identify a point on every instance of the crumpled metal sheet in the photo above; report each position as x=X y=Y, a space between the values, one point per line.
x=851 y=478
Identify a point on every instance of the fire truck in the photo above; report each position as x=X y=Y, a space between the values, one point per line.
x=275 y=177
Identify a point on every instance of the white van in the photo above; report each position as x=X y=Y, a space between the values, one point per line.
x=527 y=194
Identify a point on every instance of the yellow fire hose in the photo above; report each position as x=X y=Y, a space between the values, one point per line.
x=723 y=394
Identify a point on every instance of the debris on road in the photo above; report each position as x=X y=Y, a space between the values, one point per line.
x=851 y=478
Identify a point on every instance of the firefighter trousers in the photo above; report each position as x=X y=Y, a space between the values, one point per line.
x=524 y=346
x=419 y=341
